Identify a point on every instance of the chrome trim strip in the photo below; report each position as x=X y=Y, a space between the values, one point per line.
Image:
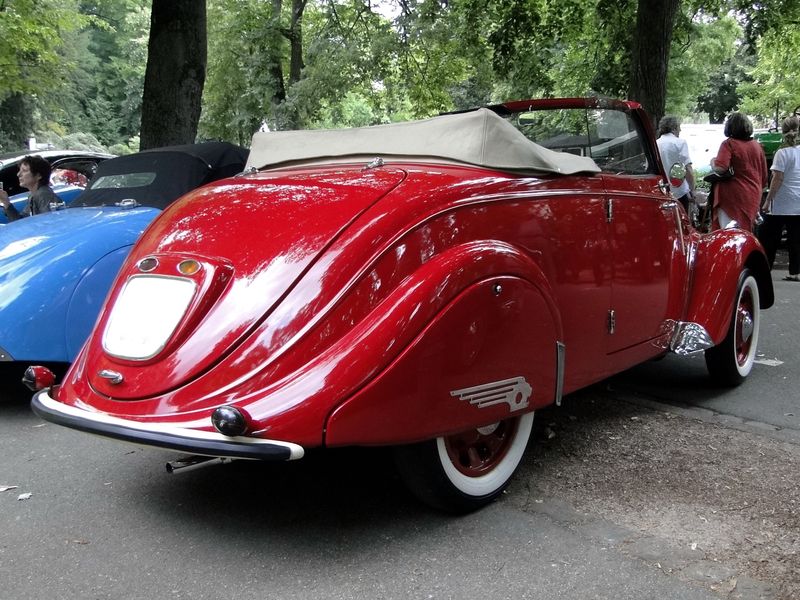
x=213 y=443
x=560 y=352
x=514 y=391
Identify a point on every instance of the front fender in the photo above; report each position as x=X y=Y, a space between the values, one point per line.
x=720 y=258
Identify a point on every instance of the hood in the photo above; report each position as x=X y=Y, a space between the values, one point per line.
x=42 y=259
x=253 y=239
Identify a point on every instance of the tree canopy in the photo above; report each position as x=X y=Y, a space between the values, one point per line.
x=78 y=66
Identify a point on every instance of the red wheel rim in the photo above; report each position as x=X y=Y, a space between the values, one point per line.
x=744 y=325
x=474 y=453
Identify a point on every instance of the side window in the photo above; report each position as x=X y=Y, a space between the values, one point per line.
x=562 y=130
x=68 y=177
x=616 y=143
x=74 y=171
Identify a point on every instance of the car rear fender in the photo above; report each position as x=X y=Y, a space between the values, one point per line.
x=721 y=257
x=491 y=352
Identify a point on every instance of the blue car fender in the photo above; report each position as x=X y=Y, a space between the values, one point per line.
x=48 y=265
x=88 y=298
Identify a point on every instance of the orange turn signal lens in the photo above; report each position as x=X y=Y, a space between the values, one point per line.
x=189 y=267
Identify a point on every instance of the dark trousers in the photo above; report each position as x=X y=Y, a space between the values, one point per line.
x=769 y=234
x=684 y=200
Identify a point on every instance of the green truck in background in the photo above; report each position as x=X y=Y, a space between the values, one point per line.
x=770 y=141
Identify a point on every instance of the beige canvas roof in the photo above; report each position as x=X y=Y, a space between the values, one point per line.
x=478 y=137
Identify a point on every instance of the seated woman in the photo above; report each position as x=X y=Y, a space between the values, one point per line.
x=34 y=175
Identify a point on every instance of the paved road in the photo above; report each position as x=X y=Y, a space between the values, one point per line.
x=772 y=394
x=105 y=521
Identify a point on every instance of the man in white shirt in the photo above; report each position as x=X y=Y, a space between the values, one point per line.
x=675 y=150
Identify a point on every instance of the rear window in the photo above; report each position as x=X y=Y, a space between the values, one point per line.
x=610 y=137
x=123 y=180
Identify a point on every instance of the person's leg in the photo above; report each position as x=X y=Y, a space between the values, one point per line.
x=793 y=242
x=721 y=218
x=769 y=234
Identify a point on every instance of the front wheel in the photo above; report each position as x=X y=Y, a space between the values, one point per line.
x=732 y=360
x=462 y=472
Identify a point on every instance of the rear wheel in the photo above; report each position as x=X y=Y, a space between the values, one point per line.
x=732 y=360
x=462 y=472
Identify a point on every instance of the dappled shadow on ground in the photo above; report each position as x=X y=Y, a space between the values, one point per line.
x=728 y=496
x=328 y=492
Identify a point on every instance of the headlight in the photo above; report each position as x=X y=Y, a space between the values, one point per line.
x=146 y=314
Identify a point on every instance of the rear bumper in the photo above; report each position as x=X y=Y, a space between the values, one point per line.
x=162 y=435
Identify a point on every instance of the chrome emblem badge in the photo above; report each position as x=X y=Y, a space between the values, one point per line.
x=515 y=392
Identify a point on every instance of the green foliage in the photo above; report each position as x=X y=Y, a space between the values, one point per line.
x=702 y=61
x=78 y=65
x=129 y=148
x=108 y=79
x=31 y=33
x=243 y=35
x=16 y=121
x=73 y=141
x=775 y=87
x=722 y=95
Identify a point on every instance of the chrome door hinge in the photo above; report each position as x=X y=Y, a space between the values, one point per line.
x=609 y=210
x=612 y=321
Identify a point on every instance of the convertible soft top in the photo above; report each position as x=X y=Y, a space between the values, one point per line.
x=479 y=137
x=159 y=176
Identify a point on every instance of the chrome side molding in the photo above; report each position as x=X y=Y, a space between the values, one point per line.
x=560 y=351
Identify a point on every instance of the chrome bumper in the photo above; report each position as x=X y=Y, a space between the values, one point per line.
x=162 y=435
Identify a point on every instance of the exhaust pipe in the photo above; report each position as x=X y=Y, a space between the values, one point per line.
x=189 y=463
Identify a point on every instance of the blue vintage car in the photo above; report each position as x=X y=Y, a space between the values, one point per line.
x=56 y=268
x=66 y=193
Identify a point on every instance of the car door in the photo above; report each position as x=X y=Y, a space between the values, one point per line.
x=645 y=230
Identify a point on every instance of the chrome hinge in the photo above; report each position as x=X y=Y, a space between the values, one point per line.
x=609 y=210
x=612 y=321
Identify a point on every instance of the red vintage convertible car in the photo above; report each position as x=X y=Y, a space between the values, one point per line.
x=423 y=285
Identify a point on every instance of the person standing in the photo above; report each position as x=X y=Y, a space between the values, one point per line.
x=782 y=203
x=739 y=198
x=34 y=175
x=675 y=150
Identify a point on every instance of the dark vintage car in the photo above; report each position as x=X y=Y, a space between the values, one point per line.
x=72 y=169
x=56 y=268
x=424 y=285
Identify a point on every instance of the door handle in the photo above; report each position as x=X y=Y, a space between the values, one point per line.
x=668 y=205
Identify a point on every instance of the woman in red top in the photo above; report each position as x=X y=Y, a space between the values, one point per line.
x=739 y=198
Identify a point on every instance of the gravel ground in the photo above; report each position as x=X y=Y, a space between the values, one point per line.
x=730 y=495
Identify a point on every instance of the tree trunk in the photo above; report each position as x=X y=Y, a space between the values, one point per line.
x=296 y=41
x=276 y=56
x=655 y=20
x=175 y=74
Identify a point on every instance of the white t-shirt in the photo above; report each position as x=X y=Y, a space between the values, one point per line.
x=674 y=150
x=787 y=199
